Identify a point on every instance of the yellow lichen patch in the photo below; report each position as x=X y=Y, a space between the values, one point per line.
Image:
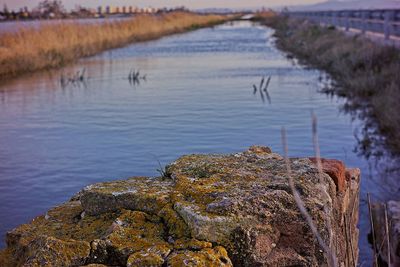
x=145 y=194
x=64 y=222
x=197 y=191
x=177 y=228
x=204 y=258
x=191 y=244
x=135 y=231
x=261 y=150
x=136 y=218
x=6 y=258
x=130 y=185
x=144 y=259
x=49 y=251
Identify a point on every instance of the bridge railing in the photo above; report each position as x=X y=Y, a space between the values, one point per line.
x=386 y=22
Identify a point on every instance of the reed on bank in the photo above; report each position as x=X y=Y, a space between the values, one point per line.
x=55 y=45
x=366 y=73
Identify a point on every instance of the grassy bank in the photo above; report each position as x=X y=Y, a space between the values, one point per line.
x=367 y=74
x=56 y=45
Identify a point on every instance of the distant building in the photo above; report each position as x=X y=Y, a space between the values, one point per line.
x=111 y=10
x=101 y=10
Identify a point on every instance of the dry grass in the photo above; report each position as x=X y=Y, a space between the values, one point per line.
x=366 y=73
x=56 y=45
x=332 y=260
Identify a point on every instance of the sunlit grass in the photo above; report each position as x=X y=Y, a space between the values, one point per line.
x=56 y=45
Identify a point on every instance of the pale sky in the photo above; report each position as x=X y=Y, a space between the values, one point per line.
x=16 y=4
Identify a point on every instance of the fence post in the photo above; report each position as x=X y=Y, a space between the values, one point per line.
x=326 y=18
x=365 y=16
x=347 y=15
x=389 y=17
x=334 y=18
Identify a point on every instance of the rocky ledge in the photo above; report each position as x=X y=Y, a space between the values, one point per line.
x=206 y=210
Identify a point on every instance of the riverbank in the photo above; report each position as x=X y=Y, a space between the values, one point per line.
x=52 y=46
x=364 y=72
x=205 y=210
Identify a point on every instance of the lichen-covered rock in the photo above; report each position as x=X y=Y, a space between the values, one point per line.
x=49 y=251
x=209 y=210
x=145 y=259
x=217 y=257
x=138 y=193
x=94 y=265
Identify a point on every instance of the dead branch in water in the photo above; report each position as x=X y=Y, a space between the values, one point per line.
x=387 y=235
x=261 y=89
x=371 y=220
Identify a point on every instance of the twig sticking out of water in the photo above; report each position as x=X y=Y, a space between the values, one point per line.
x=63 y=81
x=266 y=89
x=262 y=82
x=134 y=77
x=387 y=236
x=267 y=84
x=263 y=89
x=75 y=79
x=262 y=95
x=82 y=75
x=332 y=261
x=371 y=220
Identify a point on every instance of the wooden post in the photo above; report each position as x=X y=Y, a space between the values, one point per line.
x=387 y=27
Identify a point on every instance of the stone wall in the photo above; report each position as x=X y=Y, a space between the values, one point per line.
x=207 y=210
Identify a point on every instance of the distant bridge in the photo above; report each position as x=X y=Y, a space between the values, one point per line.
x=382 y=22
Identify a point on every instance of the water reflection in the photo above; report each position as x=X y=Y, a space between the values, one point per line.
x=371 y=143
x=76 y=79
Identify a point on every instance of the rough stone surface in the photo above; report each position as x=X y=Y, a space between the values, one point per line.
x=336 y=170
x=208 y=210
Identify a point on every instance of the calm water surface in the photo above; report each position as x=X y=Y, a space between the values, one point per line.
x=198 y=98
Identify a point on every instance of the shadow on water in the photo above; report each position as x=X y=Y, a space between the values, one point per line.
x=371 y=142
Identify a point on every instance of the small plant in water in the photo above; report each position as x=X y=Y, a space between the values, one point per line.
x=75 y=79
x=263 y=88
x=163 y=170
x=134 y=77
